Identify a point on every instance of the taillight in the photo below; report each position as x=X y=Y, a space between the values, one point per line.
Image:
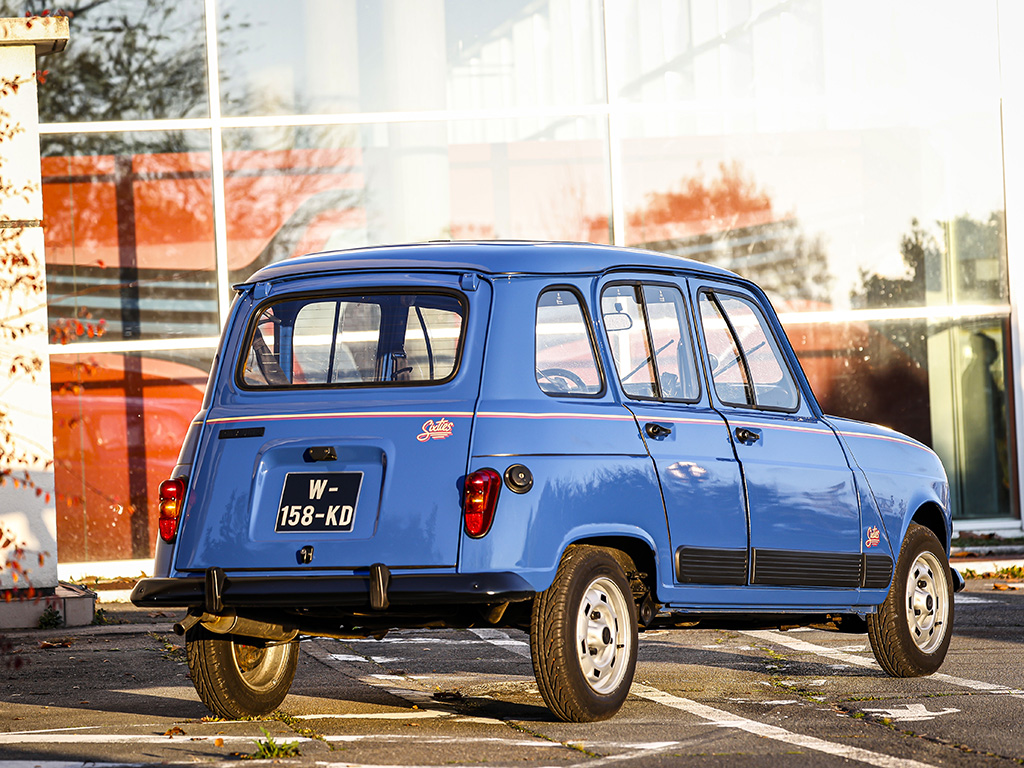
x=479 y=498
x=172 y=492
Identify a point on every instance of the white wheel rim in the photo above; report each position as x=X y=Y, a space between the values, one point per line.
x=260 y=668
x=603 y=637
x=927 y=602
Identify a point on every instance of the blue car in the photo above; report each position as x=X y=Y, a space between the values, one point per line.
x=574 y=440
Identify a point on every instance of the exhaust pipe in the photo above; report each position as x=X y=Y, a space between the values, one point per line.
x=232 y=624
x=272 y=632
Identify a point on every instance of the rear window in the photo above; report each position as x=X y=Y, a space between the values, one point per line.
x=369 y=339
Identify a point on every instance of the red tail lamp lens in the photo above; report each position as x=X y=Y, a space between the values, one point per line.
x=479 y=498
x=172 y=492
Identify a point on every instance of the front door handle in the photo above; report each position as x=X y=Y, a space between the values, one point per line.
x=657 y=431
x=747 y=436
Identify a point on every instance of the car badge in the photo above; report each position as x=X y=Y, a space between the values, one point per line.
x=435 y=430
x=874 y=537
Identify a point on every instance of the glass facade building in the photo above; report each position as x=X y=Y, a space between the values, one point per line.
x=849 y=157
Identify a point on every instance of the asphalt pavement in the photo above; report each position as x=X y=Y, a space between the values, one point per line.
x=119 y=693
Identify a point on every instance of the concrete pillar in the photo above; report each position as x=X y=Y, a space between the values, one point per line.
x=27 y=506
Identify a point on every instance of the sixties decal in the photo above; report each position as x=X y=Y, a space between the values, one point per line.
x=435 y=430
x=874 y=537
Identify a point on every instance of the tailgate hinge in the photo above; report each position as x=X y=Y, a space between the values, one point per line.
x=213 y=594
x=380 y=578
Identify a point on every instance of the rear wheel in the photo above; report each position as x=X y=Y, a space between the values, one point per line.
x=911 y=631
x=583 y=637
x=237 y=680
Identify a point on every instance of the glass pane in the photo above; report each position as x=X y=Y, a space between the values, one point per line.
x=673 y=345
x=300 y=190
x=126 y=60
x=565 y=359
x=727 y=369
x=118 y=424
x=628 y=340
x=431 y=342
x=773 y=384
x=129 y=236
x=854 y=368
x=308 y=342
x=408 y=55
x=984 y=488
x=802 y=149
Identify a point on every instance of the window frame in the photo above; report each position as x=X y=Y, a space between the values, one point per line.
x=252 y=321
x=595 y=351
x=778 y=351
x=687 y=318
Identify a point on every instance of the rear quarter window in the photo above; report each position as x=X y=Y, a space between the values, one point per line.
x=371 y=339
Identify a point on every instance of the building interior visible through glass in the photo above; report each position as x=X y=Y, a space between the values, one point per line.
x=836 y=153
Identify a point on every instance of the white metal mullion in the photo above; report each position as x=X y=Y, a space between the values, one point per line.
x=614 y=143
x=124 y=126
x=1011 y=60
x=134 y=345
x=220 y=219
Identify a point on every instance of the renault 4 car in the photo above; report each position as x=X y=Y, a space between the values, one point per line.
x=574 y=440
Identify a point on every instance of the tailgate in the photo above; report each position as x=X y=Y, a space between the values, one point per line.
x=332 y=443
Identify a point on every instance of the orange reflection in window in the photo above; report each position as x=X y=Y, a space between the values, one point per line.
x=118 y=423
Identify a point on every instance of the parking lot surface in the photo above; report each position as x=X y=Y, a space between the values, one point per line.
x=120 y=694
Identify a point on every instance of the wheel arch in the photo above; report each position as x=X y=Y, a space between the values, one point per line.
x=931 y=517
x=638 y=553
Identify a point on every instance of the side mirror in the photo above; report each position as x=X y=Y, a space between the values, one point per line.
x=618 y=321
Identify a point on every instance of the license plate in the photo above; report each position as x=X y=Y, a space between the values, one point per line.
x=318 y=501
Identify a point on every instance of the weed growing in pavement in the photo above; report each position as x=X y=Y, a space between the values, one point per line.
x=296 y=725
x=269 y=749
x=171 y=651
x=50 y=618
x=102 y=618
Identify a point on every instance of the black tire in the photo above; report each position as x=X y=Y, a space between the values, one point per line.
x=583 y=637
x=236 y=680
x=911 y=631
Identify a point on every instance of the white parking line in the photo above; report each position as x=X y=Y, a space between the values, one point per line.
x=725 y=719
x=803 y=646
x=721 y=718
x=502 y=640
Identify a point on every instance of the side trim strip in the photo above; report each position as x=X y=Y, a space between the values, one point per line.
x=806 y=569
x=711 y=565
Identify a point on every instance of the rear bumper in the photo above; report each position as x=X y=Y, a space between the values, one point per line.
x=331 y=591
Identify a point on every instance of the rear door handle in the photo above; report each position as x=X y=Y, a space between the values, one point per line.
x=657 y=431
x=747 y=436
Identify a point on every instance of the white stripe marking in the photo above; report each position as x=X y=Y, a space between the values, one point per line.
x=803 y=646
x=502 y=640
x=725 y=719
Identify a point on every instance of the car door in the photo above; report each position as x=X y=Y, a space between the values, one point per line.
x=649 y=332
x=802 y=498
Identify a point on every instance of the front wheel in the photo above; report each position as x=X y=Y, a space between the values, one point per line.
x=912 y=629
x=236 y=680
x=583 y=637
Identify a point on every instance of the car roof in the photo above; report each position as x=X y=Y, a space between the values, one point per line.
x=494 y=257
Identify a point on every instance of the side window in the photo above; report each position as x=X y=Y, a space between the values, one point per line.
x=628 y=339
x=673 y=344
x=747 y=366
x=650 y=341
x=565 y=361
x=431 y=342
